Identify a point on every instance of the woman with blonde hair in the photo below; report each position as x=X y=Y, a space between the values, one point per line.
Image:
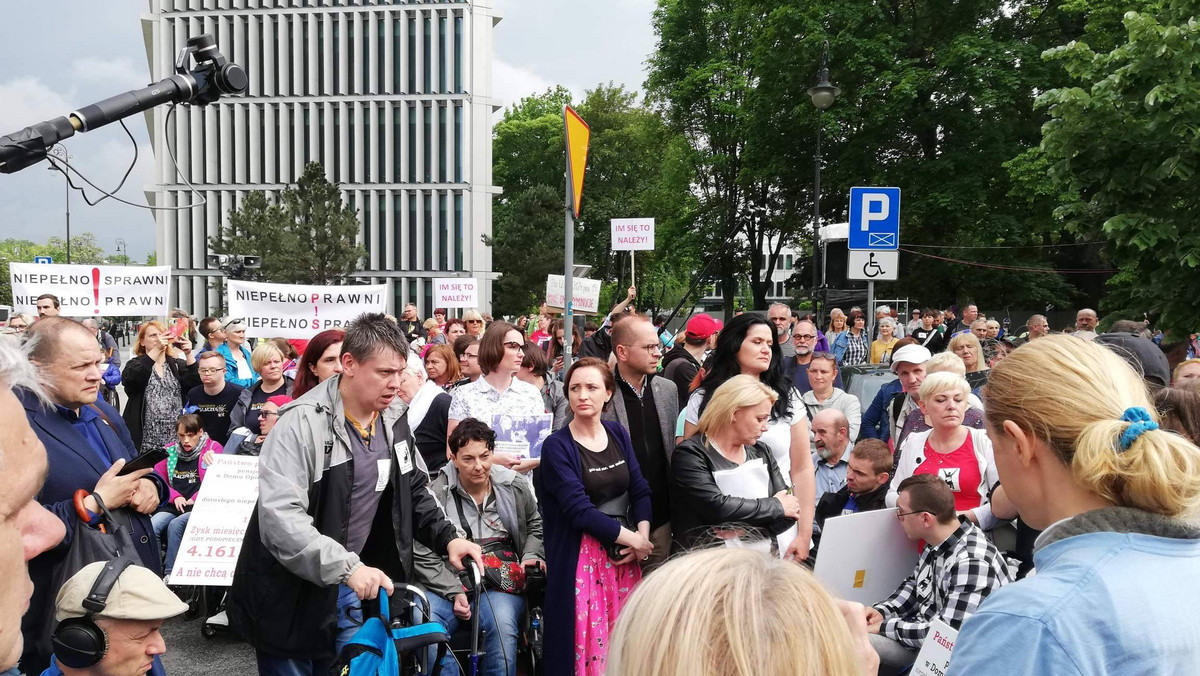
x=738 y=413
x=267 y=360
x=735 y=612
x=881 y=348
x=156 y=380
x=1081 y=455
x=474 y=323
x=837 y=324
x=960 y=455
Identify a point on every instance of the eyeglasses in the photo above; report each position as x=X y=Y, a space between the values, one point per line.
x=467 y=355
x=210 y=371
x=824 y=355
x=653 y=347
x=900 y=515
x=269 y=414
x=805 y=336
x=514 y=345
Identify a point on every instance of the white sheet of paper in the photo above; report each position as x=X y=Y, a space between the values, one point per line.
x=752 y=481
x=934 y=658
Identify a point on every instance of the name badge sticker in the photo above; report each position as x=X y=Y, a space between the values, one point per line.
x=402 y=457
x=385 y=473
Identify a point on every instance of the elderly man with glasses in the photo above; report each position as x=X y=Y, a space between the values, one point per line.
x=804 y=337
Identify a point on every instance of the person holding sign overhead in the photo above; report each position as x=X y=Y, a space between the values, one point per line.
x=499 y=392
x=1081 y=455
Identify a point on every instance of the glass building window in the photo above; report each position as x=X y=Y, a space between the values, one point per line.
x=427 y=53
x=458 y=230
x=412 y=55
x=397 y=56
x=411 y=227
x=458 y=143
x=412 y=143
x=442 y=137
x=442 y=53
x=397 y=240
x=443 y=233
x=428 y=127
x=427 y=253
x=458 y=52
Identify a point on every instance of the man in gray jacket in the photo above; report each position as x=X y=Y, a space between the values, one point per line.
x=342 y=496
x=647 y=406
x=495 y=507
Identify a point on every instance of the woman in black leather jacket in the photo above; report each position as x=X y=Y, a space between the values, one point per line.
x=702 y=513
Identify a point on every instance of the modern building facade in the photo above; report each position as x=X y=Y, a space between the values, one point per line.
x=394 y=98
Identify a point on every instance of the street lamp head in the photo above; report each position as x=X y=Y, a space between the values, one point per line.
x=824 y=94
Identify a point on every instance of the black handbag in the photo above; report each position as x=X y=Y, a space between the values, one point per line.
x=104 y=539
x=618 y=508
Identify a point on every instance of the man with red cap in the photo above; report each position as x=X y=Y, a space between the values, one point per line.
x=681 y=364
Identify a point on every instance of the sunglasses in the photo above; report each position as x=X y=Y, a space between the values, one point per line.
x=474 y=321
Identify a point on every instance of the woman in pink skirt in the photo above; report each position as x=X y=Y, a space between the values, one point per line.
x=596 y=515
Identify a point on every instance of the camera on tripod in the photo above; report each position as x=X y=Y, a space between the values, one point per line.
x=234 y=265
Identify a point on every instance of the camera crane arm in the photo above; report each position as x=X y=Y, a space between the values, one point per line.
x=212 y=77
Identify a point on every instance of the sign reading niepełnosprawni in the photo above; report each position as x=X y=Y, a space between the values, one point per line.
x=300 y=310
x=934 y=658
x=585 y=291
x=93 y=290
x=209 y=550
x=632 y=234
x=456 y=292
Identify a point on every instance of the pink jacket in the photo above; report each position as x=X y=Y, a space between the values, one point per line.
x=161 y=469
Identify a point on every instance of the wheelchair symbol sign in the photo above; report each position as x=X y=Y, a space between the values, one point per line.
x=873 y=266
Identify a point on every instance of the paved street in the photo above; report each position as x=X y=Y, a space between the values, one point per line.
x=190 y=653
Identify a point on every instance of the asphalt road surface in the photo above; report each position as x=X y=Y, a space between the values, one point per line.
x=190 y=653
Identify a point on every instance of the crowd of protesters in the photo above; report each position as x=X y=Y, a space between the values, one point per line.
x=392 y=452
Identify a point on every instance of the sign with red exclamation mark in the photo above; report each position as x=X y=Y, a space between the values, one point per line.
x=96 y=289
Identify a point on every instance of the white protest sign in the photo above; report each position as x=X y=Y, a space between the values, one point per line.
x=213 y=539
x=585 y=291
x=865 y=556
x=934 y=658
x=632 y=234
x=300 y=310
x=456 y=292
x=93 y=290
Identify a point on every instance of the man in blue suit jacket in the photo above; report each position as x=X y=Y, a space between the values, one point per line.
x=86 y=443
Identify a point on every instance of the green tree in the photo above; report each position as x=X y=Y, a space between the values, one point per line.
x=527 y=247
x=152 y=258
x=306 y=236
x=1121 y=157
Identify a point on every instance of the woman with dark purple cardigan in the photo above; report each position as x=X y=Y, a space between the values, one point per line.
x=596 y=516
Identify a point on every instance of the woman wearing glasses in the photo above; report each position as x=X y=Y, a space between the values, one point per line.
x=474 y=322
x=498 y=392
x=748 y=346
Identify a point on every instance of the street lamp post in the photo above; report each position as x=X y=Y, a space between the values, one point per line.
x=823 y=95
x=59 y=152
x=122 y=250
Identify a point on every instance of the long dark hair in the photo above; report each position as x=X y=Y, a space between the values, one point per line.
x=554 y=348
x=722 y=364
x=305 y=378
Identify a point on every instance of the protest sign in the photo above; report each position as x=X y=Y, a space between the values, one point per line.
x=632 y=234
x=213 y=539
x=865 y=556
x=934 y=658
x=456 y=292
x=522 y=435
x=585 y=291
x=93 y=290
x=300 y=310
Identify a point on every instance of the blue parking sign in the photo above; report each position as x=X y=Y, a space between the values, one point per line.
x=874 y=219
x=45 y=260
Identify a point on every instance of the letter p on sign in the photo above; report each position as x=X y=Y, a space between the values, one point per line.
x=869 y=213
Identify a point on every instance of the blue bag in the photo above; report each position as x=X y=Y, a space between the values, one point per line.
x=112 y=376
x=375 y=648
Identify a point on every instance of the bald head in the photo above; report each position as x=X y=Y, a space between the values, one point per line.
x=47 y=335
x=831 y=433
x=1086 y=320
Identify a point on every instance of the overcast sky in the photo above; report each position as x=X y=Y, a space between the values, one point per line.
x=74 y=52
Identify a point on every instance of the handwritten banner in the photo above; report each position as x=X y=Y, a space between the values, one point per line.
x=585 y=291
x=213 y=539
x=456 y=292
x=300 y=311
x=632 y=234
x=93 y=290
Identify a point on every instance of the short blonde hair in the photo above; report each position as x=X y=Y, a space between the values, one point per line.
x=969 y=339
x=264 y=351
x=945 y=381
x=1181 y=366
x=727 y=612
x=472 y=314
x=993 y=324
x=1071 y=394
x=945 y=362
x=738 y=392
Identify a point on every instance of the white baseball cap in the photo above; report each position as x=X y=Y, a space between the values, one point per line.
x=911 y=354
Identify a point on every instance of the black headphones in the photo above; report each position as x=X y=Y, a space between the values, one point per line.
x=78 y=641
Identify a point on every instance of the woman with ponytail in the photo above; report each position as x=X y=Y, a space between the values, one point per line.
x=1081 y=455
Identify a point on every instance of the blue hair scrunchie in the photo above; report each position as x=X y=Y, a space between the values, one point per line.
x=1139 y=421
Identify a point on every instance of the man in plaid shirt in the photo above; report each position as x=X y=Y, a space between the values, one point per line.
x=957 y=570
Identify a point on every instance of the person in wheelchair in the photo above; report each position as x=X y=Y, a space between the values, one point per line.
x=496 y=509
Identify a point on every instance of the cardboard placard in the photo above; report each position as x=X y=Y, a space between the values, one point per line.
x=456 y=292
x=865 y=556
x=213 y=539
x=586 y=294
x=934 y=658
x=632 y=234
